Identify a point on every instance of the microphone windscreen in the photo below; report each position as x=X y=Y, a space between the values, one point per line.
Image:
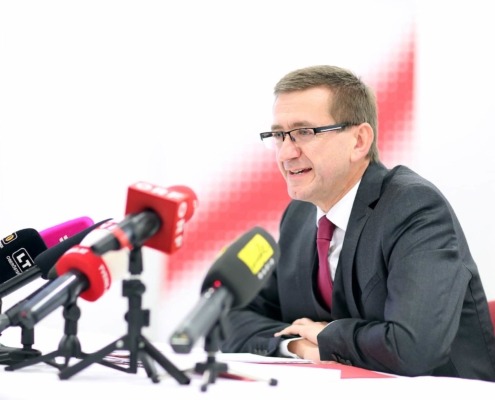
x=172 y=206
x=17 y=253
x=192 y=202
x=99 y=270
x=58 y=233
x=244 y=266
x=48 y=258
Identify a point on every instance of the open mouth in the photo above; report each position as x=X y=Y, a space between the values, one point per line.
x=299 y=171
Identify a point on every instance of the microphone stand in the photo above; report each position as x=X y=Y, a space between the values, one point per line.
x=11 y=355
x=140 y=349
x=211 y=368
x=69 y=345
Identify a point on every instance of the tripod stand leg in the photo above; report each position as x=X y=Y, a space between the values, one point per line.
x=13 y=355
x=210 y=370
x=149 y=367
x=31 y=361
x=270 y=381
x=180 y=376
x=208 y=378
x=143 y=355
x=88 y=360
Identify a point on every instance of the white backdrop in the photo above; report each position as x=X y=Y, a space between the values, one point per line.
x=95 y=95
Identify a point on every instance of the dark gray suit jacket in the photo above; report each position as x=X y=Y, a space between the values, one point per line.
x=407 y=296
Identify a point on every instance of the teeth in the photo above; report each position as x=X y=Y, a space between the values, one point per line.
x=297 y=172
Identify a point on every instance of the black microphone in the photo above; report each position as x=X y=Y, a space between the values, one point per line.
x=22 y=263
x=17 y=253
x=37 y=260
x=234 y=279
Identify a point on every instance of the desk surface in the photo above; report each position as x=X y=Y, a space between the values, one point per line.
x=293 y=380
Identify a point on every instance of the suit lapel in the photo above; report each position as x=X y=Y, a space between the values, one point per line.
x=366 y=197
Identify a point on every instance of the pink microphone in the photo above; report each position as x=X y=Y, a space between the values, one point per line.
x=58 y=233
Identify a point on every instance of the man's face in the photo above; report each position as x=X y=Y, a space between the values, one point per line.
x=318 y=171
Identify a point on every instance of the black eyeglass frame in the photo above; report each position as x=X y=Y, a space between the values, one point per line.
x=319 y=129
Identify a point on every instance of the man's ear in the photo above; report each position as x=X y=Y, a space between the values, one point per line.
x=363 y=135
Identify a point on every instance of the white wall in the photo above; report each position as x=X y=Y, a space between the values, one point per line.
x=95 y=95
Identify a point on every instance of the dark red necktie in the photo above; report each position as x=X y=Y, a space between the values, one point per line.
x=323 y=238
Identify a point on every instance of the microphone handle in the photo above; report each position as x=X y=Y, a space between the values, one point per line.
x=134 y=229
x=4 y=322
x=11 y=316
x=201 y=319
x=22 y=279
x=54 y=294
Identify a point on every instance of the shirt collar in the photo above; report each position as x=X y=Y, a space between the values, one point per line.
x=339 y=214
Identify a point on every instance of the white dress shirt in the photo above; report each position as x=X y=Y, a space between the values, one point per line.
x=339 y=215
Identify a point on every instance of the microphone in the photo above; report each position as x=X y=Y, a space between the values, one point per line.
x=17 y=253
x=234 y=279
x=81 y=273
x=41 y=260
x=58 y=233
x=17 y=259
x=155 y=217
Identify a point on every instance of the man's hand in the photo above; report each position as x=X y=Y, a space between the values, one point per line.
x=304 y=327
x=306 y=347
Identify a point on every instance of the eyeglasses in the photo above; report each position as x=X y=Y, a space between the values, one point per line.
x=298 y=135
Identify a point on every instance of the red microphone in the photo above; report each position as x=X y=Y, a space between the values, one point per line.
x=80 y=273
x=99 y=271
x=155 y=217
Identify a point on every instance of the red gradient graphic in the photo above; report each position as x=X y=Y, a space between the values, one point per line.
x=395 y=95
x=238 y=201
x=253 y=193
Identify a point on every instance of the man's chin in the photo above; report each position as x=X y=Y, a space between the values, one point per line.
x=297 y=194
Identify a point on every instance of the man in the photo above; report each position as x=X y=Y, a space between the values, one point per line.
x=407 y=297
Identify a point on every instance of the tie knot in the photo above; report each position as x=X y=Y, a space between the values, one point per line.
x=325 y=229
